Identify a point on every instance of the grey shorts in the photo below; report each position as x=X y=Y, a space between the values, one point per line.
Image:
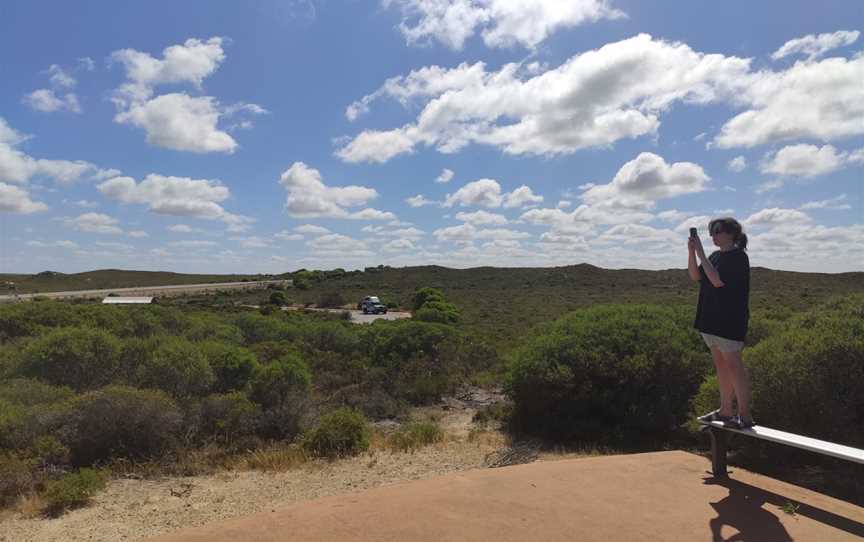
x=722 y=344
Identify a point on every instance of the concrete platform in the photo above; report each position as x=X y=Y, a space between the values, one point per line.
x=663 y=496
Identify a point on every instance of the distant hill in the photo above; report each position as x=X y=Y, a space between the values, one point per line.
x=499 y=303
x=52 y=281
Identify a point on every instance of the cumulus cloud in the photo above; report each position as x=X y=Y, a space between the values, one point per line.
x=419 y=201
x=191 y=63
x=479 y=218
x=372 y=214
x=14 y=199
x=18 y=167
x=777 y=217
x=71 y=245
x=192 y=244
x=502 y=23
x=445 y=177
x=398 y=245
x=468 y=233
x=309 y=197
x=288 y=236
x=311 y=229
x=814 y=46
x=47 y=101
x=176 y=196
x=521 y=197
x=56 y=98
x=592 y=100
x=335 y=242
x=737 y=164
x=645 y=179
x=838 y=204
x=177 y=120
x=95 y=223
x=811 y=100
x=804 y=161
x=137 y=234
x=180 y=122
x=481 y=193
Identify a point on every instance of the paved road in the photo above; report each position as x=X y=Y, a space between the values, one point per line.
x=152 y=290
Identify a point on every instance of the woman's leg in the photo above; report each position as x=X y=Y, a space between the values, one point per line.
x=724 y=382
x=740 y=379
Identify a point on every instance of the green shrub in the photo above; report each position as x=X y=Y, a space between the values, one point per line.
x=118 y=421
x=28 y=393
x=809 y=379
x=332 y=300
x=178 y=367
x=278 y=298
x=81 y=358
x=606 y=372
x=437 y=315
x=257 y=328
x=72 y=491
x=343 y=432
x=233 y=366
x=17 y=478
x=228 y=417
x=276 y=383
x=415 y=435
x=424 y=295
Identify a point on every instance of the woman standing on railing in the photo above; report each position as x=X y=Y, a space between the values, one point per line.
x=723 y=312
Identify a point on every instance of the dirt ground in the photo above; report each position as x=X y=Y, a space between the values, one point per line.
x=133 y=509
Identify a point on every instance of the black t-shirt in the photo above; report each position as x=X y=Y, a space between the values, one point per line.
x=725 y=311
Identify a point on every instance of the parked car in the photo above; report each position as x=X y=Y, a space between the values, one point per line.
x=372 y=305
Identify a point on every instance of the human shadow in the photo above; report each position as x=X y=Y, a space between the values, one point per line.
x=743 y=509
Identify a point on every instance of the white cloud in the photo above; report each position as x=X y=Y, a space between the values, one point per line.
x=191 y=63
x=312 y=229
x=47 y=101
x=520 y=197
x=404 y=233
x=18 y=167
x=479 y=218
x=180 y=228
x=592 y=100
x=86 y=63
x=14 y=199
x=251 y=241
x=192 y=244
x=60 y=78
x=419 y=201
x=138 y=234
x=699 y=222
x=645 y=179
x=445 y=177
x=811 y=100
x=113 y=245
x=636 y=234
x=176 y=196
x=564 y=203
x=468 y=233
x=288 y=236
x=398 y=245
x=95 y=223
x=502 y=23
x=777 y=217
x=815 y=46
x=737 y=164
x=71 y=245
x=372 y=214
x=9 y=136
x=85 y=203
x=180 y=122
x=803 y=161
x=482 y=193
x=837 y=204
x=334 y=242
x=177 y=120
x=309 y=197
x=672 y=215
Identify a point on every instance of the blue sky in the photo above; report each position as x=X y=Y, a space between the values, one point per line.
x=265 y=137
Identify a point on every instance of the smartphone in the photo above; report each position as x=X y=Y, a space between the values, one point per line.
x=692 y=232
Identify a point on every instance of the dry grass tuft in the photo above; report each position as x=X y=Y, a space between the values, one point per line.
x=278 y=458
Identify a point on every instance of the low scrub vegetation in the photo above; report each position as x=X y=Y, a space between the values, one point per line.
x=186 y=389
